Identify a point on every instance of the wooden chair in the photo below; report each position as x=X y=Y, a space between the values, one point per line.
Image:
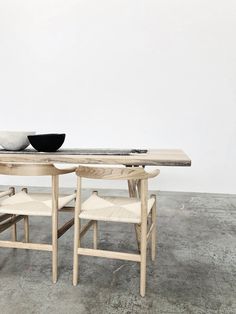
x=116 y=209
x=21 y=205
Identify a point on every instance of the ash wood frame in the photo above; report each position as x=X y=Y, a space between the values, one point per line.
x=139 y=176
x=9 y=220
x=36 y=170
x=154 y=157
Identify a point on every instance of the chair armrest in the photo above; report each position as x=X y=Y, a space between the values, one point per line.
x=32 y=169
x=152 y=174
x=109 y=173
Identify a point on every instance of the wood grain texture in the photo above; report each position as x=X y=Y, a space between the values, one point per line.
x=109 y=254
x=32 y=169
x=14 y=227
x=26 y=221
x=143 y=242
x=77 y=226
x=154 y=157
x=26 y=246
x=55 y=188
x=154 y=225
x=109 y=173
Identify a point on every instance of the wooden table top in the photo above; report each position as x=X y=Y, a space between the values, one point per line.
x=153 y=157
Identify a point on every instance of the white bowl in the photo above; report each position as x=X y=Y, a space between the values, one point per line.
x=14 y=140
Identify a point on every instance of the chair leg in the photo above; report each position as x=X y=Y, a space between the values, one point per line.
x=135 y=189
x=95 y=235
x=153 y=236
x=143 y=244
x=76 y=245
x=137 y=228
x=54 y=248
x=14 y=231
x=55 y=188
x=26 y=228
x=143 y=263
x=76 y=233
x=26 y=221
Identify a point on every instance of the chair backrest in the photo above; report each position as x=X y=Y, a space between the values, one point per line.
x=109 y=173
x=24 y=169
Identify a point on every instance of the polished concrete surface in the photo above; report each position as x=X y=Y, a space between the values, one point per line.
x=195 y=270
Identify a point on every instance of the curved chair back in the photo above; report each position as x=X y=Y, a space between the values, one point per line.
x=20 y=169
x=109 y=173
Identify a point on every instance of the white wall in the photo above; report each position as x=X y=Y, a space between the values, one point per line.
x=126 y=73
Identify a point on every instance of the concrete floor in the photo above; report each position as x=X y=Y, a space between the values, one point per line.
x=195 y=270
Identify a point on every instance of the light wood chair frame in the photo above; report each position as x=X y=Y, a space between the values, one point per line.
x=9 y=220
x=19 y=169
x=138 y=175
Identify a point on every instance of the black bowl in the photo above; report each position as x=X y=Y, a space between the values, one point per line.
x=46 y=142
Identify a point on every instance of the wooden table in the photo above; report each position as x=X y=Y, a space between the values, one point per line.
x=154 y=157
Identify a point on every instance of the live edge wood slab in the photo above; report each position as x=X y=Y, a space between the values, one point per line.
x=153 y=157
